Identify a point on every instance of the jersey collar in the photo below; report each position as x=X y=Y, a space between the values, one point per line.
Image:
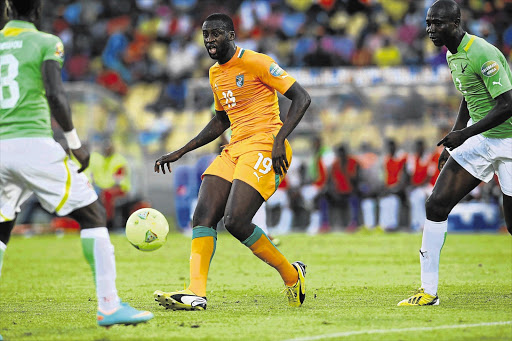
x=20 y=24
x=465 y=43
x=235 y=56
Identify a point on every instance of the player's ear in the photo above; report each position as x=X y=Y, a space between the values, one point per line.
x=231 y=35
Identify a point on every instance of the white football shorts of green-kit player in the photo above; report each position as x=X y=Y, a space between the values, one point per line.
x=481 y=73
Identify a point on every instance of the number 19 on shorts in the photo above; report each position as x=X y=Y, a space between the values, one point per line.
x=263 y=165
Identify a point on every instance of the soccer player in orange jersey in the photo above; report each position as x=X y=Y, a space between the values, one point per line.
x=250 y=167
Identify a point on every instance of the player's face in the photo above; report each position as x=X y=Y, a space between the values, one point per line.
x=216 y=39
x=439 y=26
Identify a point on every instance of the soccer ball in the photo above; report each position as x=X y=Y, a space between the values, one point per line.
x=147 y=229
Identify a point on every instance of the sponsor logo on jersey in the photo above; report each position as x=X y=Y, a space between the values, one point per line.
x=275 y=70
x=490 y=68
x=59 y=50
x=240 y=80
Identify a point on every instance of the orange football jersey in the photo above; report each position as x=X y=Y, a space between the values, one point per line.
x=245 y=88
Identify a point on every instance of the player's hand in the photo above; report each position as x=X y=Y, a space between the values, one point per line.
x=453 y=139
x=442 y=159
x=83 y=156
x=166 y=160
x=279 y=160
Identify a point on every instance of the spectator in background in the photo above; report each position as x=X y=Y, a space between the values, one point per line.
x=114 y=51
x=418 y=166
x=318 y=57
x=181 y=63
x=369 y=186
x=395 y=182
x=109 y=172
x=281 y=200
x=387 y=55
x=342 y=190
x=312 y=192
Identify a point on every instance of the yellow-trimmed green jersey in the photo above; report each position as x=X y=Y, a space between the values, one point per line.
x=24 y=110
x=481 y=73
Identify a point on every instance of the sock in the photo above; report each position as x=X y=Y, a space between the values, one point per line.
x=99 y=253
x=2 y=251
x=263 y=248
x=204 y=242
x=434 y=235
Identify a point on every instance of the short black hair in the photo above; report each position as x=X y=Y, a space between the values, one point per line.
x=452 y=8
x=24 y=7
x=224 y=18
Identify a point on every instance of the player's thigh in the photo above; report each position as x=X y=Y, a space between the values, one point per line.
x=453 y=184
x=211 y=201
x=243 y=203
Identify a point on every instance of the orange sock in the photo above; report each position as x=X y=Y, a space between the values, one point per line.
x=203 y=248
x=263 y=248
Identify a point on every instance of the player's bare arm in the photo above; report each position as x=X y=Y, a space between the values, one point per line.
x=59 y=106
x=300 y=103
x=215 y=128
x=501 y=112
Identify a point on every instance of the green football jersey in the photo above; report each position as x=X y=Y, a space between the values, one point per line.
x=481 y=73
x=24 y=110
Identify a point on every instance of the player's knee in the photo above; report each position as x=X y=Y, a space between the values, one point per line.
x=238 y=227
x=90 y=216
x=436 y=208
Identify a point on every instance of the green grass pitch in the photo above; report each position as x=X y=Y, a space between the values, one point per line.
x=353 y=285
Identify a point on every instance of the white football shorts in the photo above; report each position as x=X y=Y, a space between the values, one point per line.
x=482 y=157
x=40 y=166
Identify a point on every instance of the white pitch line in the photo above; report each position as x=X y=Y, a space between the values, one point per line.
x=398 y=330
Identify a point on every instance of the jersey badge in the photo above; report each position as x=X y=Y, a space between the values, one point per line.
x=59 y=50
x=275 y=70
x=490 y=68
x=240 y=80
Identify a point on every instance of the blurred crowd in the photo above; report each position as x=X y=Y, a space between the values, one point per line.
x=369 y=190
x=117 y=43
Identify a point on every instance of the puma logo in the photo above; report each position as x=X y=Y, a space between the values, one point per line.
x=257 y=176
x=498 y=82
x=423 y=254
x=463 y=67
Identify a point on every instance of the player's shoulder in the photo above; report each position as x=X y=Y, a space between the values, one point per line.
x=48 y=38
x=480 y=48
x=252 y=57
